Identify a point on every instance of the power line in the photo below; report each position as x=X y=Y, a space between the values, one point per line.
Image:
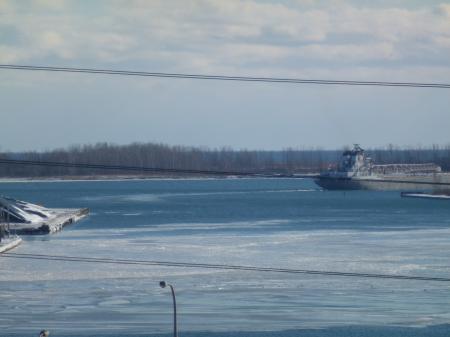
x=120 y=167
x=225 y=78
x=206 y=172
x=219 y=266
x=130 y=168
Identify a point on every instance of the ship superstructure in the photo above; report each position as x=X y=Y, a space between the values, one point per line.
x=353 y=163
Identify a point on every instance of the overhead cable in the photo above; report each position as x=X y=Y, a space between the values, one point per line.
x=220 y=267
x=205 y=172
x=224 y=77
x=127 y=168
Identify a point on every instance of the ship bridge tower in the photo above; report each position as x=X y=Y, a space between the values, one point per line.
x=354 y=162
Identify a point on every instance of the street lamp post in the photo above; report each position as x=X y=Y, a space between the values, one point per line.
x=163 y=284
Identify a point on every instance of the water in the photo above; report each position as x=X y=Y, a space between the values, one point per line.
x=255 y=222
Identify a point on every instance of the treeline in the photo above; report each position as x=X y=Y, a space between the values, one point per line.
x=224 y=159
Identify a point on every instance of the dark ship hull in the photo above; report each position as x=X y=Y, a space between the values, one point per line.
x=438 y=182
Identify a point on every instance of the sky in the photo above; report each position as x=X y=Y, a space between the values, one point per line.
x=396 y=40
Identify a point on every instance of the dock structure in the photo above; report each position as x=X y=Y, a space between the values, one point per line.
x=421 y=195
x=60 y=219
x=25 y=218
x=10 y=242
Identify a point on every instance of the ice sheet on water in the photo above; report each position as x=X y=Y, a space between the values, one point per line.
x=359 y=232
x=385 y=252
x=95 y=291
x=156 y=197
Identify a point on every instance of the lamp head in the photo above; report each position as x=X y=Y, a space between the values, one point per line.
x=162 y=284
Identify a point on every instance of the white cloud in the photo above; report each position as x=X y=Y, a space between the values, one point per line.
x=5 y=6
x=444 y=9
x=349 y=52
x=11 y=54
x=50 y=4
x=246 y=36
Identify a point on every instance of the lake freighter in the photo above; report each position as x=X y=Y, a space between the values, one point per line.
x=356 y=171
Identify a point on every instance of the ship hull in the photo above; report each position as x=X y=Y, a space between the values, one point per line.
x=387 y=183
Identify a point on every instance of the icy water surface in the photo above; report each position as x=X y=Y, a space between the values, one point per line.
x=260 y=222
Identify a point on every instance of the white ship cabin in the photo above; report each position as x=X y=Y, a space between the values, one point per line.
x=354 y=162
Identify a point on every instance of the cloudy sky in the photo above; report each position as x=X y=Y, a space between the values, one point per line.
x=350 y=40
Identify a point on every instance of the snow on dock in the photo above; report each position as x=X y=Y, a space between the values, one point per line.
x=27 y=218
x=425 y=195
x=8 y=243
x=54 y=223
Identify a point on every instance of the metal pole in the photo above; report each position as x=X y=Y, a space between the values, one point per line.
x=175 y=330
x=163 y=284
x=7 y=220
